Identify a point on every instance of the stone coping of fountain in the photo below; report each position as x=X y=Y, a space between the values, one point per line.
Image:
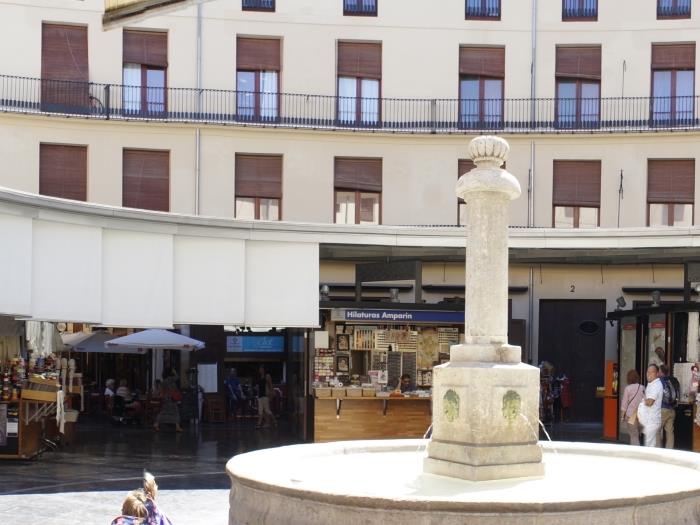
x=387 y=474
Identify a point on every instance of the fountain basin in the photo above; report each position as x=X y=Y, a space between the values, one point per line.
x=383 y=483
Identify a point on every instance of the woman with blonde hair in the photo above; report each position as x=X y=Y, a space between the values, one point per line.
x=632 y=396
x=139 y=507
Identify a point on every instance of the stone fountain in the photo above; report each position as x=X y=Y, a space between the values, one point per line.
x=483 y=464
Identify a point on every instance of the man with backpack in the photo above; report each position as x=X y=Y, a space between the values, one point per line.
x=668 y=406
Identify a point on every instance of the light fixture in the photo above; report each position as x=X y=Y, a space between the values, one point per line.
x=655 y=298
x=325 y=290
x=621 y=303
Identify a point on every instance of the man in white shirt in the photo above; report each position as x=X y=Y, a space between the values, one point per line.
x=649 y=411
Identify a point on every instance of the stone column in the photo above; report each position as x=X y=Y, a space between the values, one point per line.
x=485 y=401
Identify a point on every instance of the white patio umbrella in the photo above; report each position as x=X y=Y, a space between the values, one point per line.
x=95 y=342
x=154 y=338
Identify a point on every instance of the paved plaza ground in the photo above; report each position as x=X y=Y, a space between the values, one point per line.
x=86 y=482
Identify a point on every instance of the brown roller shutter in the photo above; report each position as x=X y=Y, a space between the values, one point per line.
x=63 y=171
x=482 y=61
x=359 y=59
x=671 y=181
x=259 y=176
x=258 y=54
x=146 y=179
x=673 y=56
x=576 y=183
x=358 y=174
x=578 y=62
x=64 y=67
x=146 y=47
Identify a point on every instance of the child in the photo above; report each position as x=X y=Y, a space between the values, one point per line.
x=139 y=507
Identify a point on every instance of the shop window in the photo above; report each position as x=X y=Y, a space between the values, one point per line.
x=671 y=192
x=576 y=194
x=358 y=187
x=258 y=181
x=144 y=74
x=257 y=79
x=359 y=83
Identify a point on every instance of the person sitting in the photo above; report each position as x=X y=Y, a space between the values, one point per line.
x=109 y=388
x=123 y=390
x=140 y=507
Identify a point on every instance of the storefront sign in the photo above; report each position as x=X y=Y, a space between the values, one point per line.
x=629 y=326
x=657 y=325
x=254 y=343
x=396 y=316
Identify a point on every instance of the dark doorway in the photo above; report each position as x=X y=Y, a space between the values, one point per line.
x=572 y=338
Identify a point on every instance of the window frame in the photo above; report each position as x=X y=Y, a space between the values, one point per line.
x=481 y=122
x=143 y=90
x=577 y=214
x=375 y=12
x=256 y=116
x=578 y=17
x=358 y=102
x=357 y=193
x=484 y=4
x=673 y=118
x=258 y=7
x=578 y=122
x=675 y=15
x=671 y=212
x=257 y=206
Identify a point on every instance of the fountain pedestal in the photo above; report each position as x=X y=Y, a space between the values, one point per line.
x=485 y=401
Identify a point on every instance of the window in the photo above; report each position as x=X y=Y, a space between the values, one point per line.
x=359 y=83
x=258 y=187
x=673 y=9
x=257 y=79
x=576 y=194
x=673 y=84
x=579 y=10
x=360 y=7
x=578 y=87
x=146 y=179
x=671 y=192
x=64 y=69
x=483 y=9
x=258 y=5
x=145 y=58
x=358 y=190
x=482 y=70
x=63 y=171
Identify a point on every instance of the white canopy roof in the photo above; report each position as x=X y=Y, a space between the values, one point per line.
x=95 y=342
x=154 y=338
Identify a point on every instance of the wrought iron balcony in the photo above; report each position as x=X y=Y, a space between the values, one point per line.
x=360 y=7
x=483 y=9
x=580 y=10
x=304 y=111
x=258 y=5
x=673 y=8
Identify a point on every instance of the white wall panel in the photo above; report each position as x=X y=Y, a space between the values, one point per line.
x=137 y=279
x=281 y=284
x=209 y=280
x=66 y=272
x=15 y=265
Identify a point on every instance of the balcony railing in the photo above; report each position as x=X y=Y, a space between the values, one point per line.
x=287 y=110
x=580 y=10
x=673 y=9
x=258 y=5
x=360 y=7
x=489 y=9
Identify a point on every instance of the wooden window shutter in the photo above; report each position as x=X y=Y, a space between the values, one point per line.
x=358 y=174
x=146 y=47
x=482 y=61
x=259 y=176
x=258 y=54
x=578 y=62
x=359 y=59
x=673 y=56
x=64 y=66
x=576 y=183
x=671 y=181
x=63 y=171
x=146 y=179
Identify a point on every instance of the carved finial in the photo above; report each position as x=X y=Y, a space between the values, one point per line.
x=488 y=151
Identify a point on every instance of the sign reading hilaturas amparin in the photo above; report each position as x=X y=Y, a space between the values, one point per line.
x=396 y=316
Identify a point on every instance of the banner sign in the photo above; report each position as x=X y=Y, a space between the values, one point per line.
x=396 y=316
x=255 y=343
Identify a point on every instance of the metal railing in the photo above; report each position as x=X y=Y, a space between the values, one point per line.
x=263 y=5
x=672 y=8
x=483 y=8
x=288 y=110
x=579 y=9
x=360 y=7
